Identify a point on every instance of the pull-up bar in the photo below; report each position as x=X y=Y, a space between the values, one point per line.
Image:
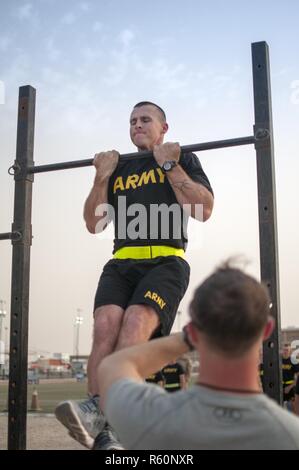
x=217 y=144
x=11 y=236
x=21 y=236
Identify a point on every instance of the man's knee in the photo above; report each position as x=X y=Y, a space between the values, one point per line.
x=140 y=319
x=107 y=321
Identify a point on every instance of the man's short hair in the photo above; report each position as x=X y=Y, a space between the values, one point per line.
x=231 y=309
x=145 y=103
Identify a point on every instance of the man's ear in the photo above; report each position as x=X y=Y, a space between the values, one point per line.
x=192 y=333
x=164 y=128
x=268 y=330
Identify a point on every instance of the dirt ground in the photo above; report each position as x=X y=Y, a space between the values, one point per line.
x=44 y=432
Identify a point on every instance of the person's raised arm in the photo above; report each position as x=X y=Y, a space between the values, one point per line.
x=105 y=164
x=138 y=362
x=187 y=191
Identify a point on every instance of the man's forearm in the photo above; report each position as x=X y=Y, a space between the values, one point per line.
x=138 y=362
x=288 y=388
x=97 y=196
x=190 y=192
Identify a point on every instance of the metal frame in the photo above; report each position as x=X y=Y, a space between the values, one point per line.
x=267 y=212
x=24 y=169
x=17 y=394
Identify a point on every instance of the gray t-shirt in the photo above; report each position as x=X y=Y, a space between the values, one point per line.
x=147 y=417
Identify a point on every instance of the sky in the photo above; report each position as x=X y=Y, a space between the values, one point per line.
x=90 y=62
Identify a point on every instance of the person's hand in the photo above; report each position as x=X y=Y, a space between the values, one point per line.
x=288 y=388
x=105 y=163
x=166 y=152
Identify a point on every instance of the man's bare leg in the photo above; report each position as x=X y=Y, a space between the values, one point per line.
x=107 y=325
x=138 y=324
x=83 y=418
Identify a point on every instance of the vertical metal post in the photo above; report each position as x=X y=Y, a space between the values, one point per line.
x=267 y=211
x=17 y=396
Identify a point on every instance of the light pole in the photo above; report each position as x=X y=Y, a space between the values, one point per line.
x=6 y=346
x=78 y=323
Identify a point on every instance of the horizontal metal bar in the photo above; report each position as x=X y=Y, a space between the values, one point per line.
x=132 y=156
x=11 y=236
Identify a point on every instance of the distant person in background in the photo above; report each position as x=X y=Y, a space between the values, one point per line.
x=289 y=376
x=156 y=378
x=186 y=364
x=174 y=376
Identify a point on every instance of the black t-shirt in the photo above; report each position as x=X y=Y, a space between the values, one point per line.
x=172 y=374
x=297 y=386
x=142 y=182
x=288 y=371
x=155 y=378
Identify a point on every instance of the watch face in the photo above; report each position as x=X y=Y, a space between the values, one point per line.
x=167 y=166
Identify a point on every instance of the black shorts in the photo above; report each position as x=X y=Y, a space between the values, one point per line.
x=160 y=282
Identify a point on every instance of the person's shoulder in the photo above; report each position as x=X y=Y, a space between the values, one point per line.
x=286 y=419
x=124 y=391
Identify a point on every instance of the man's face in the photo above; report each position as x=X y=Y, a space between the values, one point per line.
x=147 y=127
x=286 y=351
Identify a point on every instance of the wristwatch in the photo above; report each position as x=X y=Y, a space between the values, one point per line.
x=168 y=165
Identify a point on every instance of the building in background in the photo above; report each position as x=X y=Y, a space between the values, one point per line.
x=290 y=334
x=79 y=365
x=50 y=368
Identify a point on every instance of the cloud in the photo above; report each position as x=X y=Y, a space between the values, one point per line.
x=28 y=16
x=25 y=11
x=97 y=26
x=160 y=72
x=17 y=73
x=69 y=18
x=163 y=42
x=5 y=41
x=120 y=59
x=126 y=37
x=295 y=93
x=90 y=54
x=52 y=52
x=51 y=76
x=166 y=76
x=72 y=103
x=2 y=92
x=84 y=6
x=222 y=80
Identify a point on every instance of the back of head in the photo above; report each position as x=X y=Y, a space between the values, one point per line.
x=231 y=309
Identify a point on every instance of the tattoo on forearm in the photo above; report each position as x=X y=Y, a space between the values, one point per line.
x=181 y=185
